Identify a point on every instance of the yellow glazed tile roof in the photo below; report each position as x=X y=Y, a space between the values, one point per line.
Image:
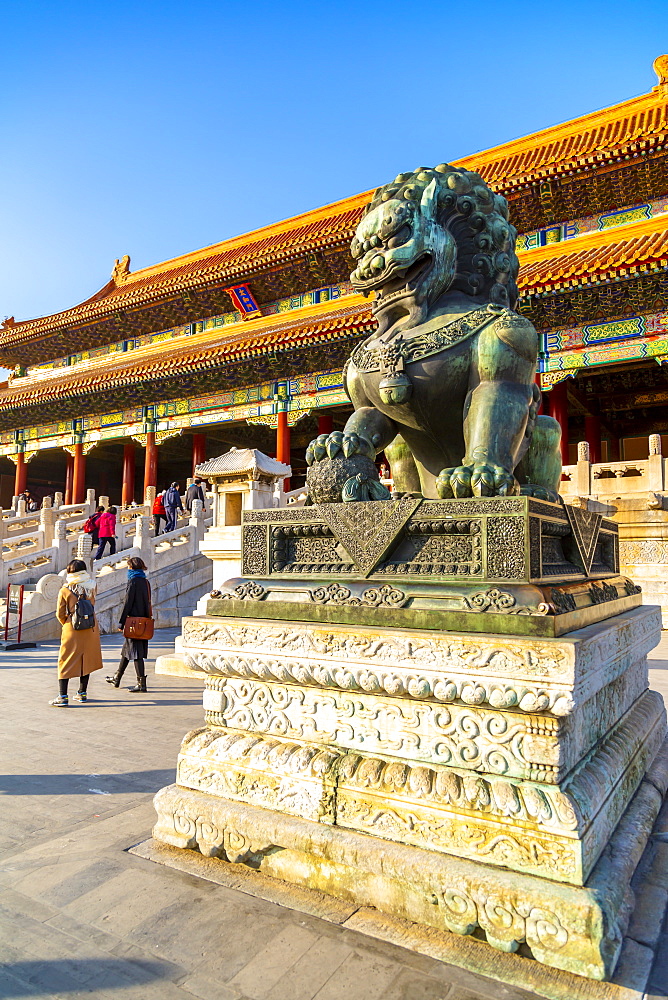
x=633 y=128
x=629 y=250
x=209 y=349
x=639 y=247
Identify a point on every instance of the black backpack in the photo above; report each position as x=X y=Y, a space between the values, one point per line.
x=83 y=615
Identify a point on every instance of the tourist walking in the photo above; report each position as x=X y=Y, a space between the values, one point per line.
x=159 y=512
x=92 y=526
x=137 y=604
x=80 y=651
x=107 y=532
x=194 y=492
x=172 y=502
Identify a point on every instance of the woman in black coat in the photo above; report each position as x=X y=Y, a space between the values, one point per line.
x=137 y=605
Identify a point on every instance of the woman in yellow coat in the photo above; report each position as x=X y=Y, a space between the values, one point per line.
x=80 y=650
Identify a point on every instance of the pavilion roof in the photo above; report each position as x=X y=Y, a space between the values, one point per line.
x=242 y=461
x=630 y=130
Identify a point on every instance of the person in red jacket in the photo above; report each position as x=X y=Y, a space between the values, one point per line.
x=107 y=531
x=159 y=512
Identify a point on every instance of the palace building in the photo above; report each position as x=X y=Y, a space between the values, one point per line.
x=243 y=343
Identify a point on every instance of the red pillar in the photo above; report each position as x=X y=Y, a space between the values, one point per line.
x=21 y=477
x=128 y=490
x=79 y=475
x=199 y=450
x=69 y=473
x=559 y=410
x=593 y=436
x=283 y=443
x=150 y=462
x=325 y=423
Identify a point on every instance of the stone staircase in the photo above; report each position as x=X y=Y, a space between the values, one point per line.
x=37 y=546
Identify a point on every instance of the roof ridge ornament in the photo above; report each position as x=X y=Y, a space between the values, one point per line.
x=660 y=67
x=121 y=269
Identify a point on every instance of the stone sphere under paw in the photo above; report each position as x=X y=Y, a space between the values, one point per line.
x=325 y=480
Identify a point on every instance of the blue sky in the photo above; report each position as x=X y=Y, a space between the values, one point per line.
x=156 y=128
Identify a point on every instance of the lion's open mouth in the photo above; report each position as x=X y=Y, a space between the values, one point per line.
x=395 y=282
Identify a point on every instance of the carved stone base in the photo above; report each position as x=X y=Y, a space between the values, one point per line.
x=555 y=831
x=462 y=781
x=578 y=929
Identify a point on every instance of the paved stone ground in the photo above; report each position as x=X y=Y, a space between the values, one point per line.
x=79 y=916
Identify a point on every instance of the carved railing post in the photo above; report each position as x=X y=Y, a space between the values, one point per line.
x=46 y=502
x=47 y=518
x=197 y=521
x=149 y=497
x=21 y=507
x=103 y=502
x=85 y=547
x=655 y=465
x=583 y=473
x=61 y=544
x=90 y=502
x=142 y=539
x=57 y=500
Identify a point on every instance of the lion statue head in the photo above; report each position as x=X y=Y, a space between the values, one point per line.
x=431 y=232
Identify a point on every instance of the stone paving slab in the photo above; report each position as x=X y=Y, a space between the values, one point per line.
x=80 y=916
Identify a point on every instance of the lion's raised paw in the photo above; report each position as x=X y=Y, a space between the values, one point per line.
x=476 y=481
x=338 y=443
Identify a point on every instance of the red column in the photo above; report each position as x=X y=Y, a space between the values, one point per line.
x=69 y=472
x=283 y=443
x=79 y=475
x=150 y=462
x=559 y=410
x=593 y=436
x=128 y=490
x=199 y=450
x=325 y=423
x=21 y=477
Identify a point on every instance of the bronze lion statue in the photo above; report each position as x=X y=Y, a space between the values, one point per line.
x=446 y=384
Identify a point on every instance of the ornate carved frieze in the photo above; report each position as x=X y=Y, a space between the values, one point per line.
x=498 y=743
x=505 y=672
x=538 y=747
x=248 y=591
x=506 y=559
x=513 y=539
x=372 y=597
x=367 y=530
x=255 y=555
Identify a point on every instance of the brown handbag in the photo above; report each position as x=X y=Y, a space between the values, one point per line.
x=138 y=627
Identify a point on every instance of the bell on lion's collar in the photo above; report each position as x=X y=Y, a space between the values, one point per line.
x=395 y=389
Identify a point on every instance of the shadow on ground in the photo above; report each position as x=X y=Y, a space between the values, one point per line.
x=76 y=976
x=85 y=784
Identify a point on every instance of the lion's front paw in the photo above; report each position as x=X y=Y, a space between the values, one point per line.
x=476 y=481
x=337 y=443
